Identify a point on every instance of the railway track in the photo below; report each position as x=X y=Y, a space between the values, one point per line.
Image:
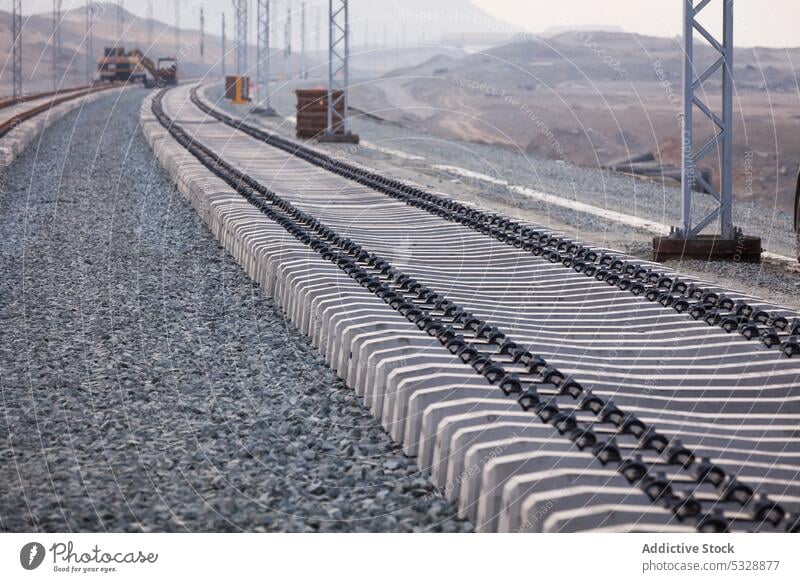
x=549 y=385
x=15 y=110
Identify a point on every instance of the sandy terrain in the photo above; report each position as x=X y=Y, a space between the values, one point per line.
x=590 y=98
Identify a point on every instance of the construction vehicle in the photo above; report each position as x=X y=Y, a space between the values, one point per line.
x=163 y=74
x=118 y=65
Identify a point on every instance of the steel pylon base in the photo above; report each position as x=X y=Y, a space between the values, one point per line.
x=740 y=249
x=265 y=112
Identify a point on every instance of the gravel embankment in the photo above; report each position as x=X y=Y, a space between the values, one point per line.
x=147 y=384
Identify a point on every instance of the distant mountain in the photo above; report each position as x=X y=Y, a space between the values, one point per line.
x=37 y=52
x=416 y=21
x=588 y=97
x=418 y=25
x=556 y=30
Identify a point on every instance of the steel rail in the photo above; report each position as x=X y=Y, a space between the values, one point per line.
x=13 y=121
x=10 y=100
x=665 y=470
x=774 y=330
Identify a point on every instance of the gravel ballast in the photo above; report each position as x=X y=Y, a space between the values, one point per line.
x=147 y=384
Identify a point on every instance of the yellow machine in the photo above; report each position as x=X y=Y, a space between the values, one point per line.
x=118 y=65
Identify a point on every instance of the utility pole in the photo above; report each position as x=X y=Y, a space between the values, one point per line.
x=224 y=49
x=318 y=41
x=149 y=24
x=16 y=49
x=56 y=42
x=89 y=42
x=263 y=71
x=686 y=240
x=240 y=35
x=338 y=73
x=177 y=30
x=303 y=71
x=202 y=35
x=287 y=36
x=120 y=20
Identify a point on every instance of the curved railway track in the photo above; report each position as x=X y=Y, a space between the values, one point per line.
x=548 y=385
x=29 y=106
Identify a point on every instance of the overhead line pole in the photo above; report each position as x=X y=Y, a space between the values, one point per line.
x=202 y=35
x=149 y=24
x=224 y=49
x=120 y=20
x=177 y=30
x=338 y=73
x=240 y=35
x=727 y=242
x=263 y=59
x=16 y=47
x=89 y=42
x=56 y=48
x=287 y=37
x=318 y=39
x=303 y=71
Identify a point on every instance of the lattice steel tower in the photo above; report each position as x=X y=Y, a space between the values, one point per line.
x=721 y=144
x=287 y=29
x=224 y=49
x=263 y=58
x=338 y=68
x=700 y=81
x=202 y=35
x=120 y=20
x=89 y=42
x=303 y=71
x=240 y=35
x=149 y=24
x=16 y=48
x=56 y=42
x=177 y=30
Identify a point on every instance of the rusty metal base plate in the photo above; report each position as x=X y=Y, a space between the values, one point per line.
x=745 y=249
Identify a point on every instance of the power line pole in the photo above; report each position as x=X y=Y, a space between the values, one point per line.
x=240 y=35
x=16 y=49
x=692 y=92
x=686 y=240
x=318 y=41
x=224 y=50
x=120 y=19
x=338 y=72
x=263 y=68
x=303 y=71
x=177 y=30
x=202 y=35
x=287 y=37
x=149 y=24
x=89 y=42
x=56 y=41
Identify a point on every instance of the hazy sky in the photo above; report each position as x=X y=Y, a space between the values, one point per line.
x=758 y=22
